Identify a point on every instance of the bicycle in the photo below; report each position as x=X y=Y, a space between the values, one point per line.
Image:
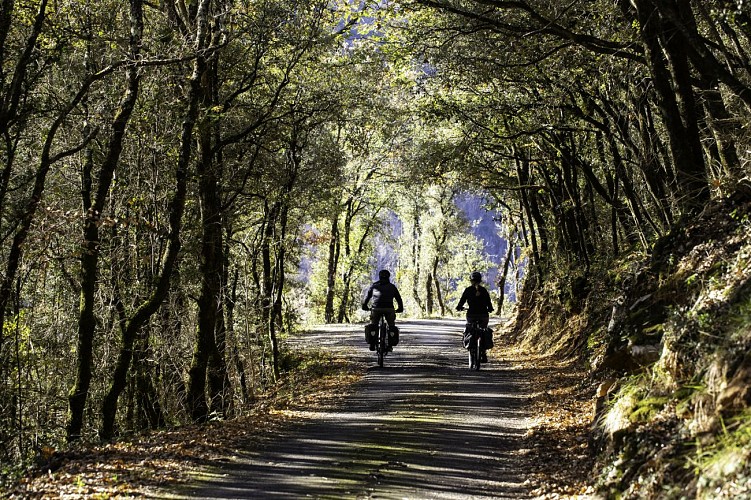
x=382 y=343
x=473 y=342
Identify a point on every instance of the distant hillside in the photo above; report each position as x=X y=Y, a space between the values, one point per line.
x=486 y=225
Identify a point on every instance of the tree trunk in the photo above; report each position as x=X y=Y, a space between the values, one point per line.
x=504 y=275
x=146 y=310
x=429 y=294
x=681 y=30
x=628 y=190
x=352 y=257
x=27 y=214
x=578 y=220
x=277 y=323
x=416 y=250
x=719 y=121
x=349 y=258
x=522 y=171
x=438 y=294
x=618 y=209
x=232 y=337
x=91 y=244
x=676 y=103
x=210 y=302
x=148 y=401
x=207 y=360
x=333 y=264
x=14 y=95
x=267 y=288
x=658 y=179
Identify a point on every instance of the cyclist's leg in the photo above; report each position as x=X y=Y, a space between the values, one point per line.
x=390 y=319
x=385 y=315
x=477 y=318
x=374 y=317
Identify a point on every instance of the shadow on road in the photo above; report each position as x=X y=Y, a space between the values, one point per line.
x=424 y=426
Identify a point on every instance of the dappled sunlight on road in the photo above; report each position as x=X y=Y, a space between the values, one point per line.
x=424 y=426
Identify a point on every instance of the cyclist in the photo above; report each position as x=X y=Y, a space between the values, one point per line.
x=477 y=298
x=383 y=293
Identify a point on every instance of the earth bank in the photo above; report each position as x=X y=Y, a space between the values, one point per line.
x=662 y=342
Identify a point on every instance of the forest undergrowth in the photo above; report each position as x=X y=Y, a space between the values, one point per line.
x=138 y=465
x=657 y=387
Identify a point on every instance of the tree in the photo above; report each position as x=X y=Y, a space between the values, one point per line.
x=93 y=207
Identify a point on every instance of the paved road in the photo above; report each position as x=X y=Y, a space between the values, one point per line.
x=424 y=426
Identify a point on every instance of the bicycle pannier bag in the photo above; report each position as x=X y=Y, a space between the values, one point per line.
x=468 y=331
x=370 y=333
x=487 y=338
x=393 y=336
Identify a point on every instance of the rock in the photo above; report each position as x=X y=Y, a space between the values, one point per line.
x=644 y=355
x=620 y=360
x=631 y=358
x=603 y=391
x=605 y=387
x=737 y=394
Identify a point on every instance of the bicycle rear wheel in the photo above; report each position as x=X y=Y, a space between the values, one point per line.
x=477 y=348
x=381 y=342
x=474 y=356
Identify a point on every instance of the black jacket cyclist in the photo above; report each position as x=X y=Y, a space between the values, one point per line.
x=477 y=298
x=383 y=294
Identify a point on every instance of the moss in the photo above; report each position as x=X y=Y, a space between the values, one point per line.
x=725 y=460
x=623 y=405
x=739 y=318
x=648 y=335
x=684 y=399
x=647 y=408
x=597 y=338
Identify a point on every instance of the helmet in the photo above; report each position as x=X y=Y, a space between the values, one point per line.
x=383 y=274
x=475 y=276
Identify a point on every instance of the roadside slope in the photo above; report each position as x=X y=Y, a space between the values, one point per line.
x=661 y=342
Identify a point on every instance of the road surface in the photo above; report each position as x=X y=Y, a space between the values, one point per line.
x=423 y=426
